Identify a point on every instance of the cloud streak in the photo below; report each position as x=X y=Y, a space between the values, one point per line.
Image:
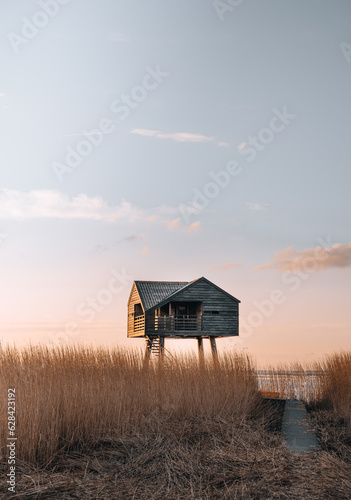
x=257 y=207
x=52 y=204
x=317 y=258
x=178 y=136
x=193 y=228
x=173 y=224
x=56 y=205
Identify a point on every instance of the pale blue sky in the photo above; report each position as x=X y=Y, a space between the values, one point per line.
x=225 y=78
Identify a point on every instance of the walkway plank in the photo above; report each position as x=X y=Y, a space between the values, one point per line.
x=298 y=436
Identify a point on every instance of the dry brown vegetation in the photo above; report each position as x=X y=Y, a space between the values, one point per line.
x=325 y=386
x=331 y=414
x=98 y=424
x=326 y=382
x=68 y=398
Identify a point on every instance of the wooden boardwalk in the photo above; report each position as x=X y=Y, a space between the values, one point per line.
x=298 y=435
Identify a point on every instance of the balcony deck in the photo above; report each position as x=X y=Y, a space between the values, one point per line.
x=168 y=324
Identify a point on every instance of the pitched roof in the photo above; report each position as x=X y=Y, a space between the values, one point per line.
x=188 y=285
x=153 y=292
x=157 y=293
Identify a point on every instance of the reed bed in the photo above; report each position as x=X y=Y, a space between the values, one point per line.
x=293 y=381
x=336 y=383
x=325 y=386
x=326 y=382
x=98 y=424
x=68 y=398
x=331 y=414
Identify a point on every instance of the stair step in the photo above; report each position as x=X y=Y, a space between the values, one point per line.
x=154 y=345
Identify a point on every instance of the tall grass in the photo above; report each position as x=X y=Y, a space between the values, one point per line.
x=331 y=415
x=96 y=423
x=326 y=382
x=293 y=381
x=68 y=398
x=336 y=384
x=326 y=388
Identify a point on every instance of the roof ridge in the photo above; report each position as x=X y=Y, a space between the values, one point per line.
x=157 y=281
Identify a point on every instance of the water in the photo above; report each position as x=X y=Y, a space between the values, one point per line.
x=305 y=385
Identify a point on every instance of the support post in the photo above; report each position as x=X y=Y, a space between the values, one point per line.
x=200 y=348
x=214 y=349
x=162 y=349
x=147 y=351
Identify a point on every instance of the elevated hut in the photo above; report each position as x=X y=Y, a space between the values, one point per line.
x=178 y=309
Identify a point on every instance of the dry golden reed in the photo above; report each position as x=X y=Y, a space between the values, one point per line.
x=96 y=423
x=70 y=397
x=326 y=382
x=336 y=383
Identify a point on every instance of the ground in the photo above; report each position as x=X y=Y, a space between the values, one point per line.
x=197 y=459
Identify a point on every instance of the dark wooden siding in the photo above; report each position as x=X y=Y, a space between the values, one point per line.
x=133 y=299
x=226 y=323
x=220 y=311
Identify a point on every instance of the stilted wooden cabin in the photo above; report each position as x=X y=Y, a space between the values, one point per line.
x=178 y=309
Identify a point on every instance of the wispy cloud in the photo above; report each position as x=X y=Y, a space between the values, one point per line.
x=228 y=265
x=145 y=250
x=50 y=204
x=173 y=224
x=2 y=94
x=289 y=259
x=193 y=227
x=133 y=237
x=257 y=207
x=54 y=204
x=176 y=224
x=151 y=218
x=177 y=136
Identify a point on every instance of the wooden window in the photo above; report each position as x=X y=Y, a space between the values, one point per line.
x=138 y=310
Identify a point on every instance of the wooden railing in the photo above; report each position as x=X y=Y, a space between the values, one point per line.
x=174 y=323
x=139 y=323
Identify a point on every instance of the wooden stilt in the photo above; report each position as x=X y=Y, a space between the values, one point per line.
x=200 y=348
x=162 y=349
x=147 y=352
x=213 y=349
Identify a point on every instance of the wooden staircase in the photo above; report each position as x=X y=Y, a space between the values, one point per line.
x=153 y=344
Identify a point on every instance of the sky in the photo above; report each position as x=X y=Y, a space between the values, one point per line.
x=173 y=140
